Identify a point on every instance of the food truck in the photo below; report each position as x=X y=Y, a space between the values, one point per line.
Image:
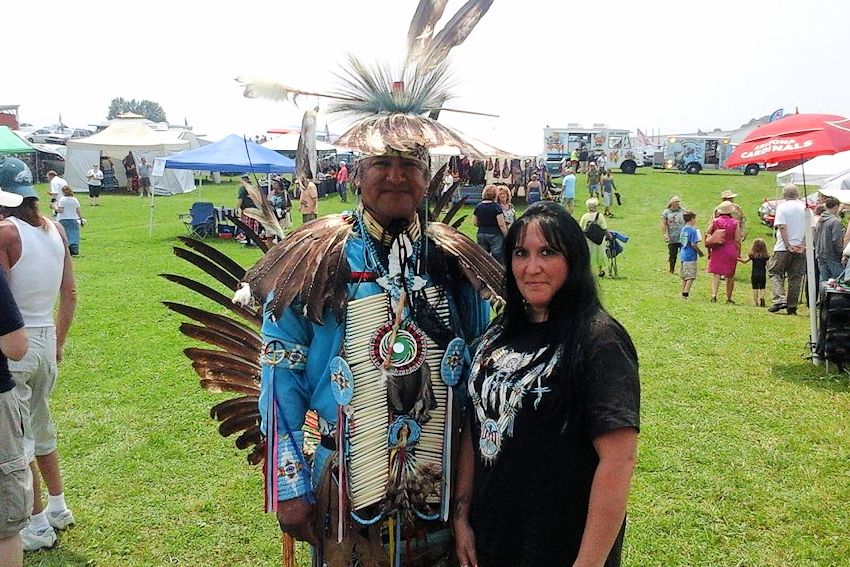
x=613 y=143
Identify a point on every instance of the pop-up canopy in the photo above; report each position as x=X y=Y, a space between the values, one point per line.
x=11 y=143
x=233 y=153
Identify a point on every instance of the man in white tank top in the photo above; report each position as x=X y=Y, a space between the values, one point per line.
x=35 y=258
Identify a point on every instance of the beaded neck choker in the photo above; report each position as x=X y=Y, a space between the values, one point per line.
x=377 y=232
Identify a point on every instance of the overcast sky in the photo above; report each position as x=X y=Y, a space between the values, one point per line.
x=658 y=65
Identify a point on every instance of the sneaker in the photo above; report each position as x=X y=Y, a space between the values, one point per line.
x=776 y=307
x=33 y=541
x=60 y=520
x=792 y=310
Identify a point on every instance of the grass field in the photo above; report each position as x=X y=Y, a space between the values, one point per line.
x=743 y=452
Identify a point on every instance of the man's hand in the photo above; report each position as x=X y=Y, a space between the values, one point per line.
x=296 y=519
x=60 y=353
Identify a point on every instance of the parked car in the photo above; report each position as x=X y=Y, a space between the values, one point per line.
x=40 y=135
x=68 y=134
x=767 y=210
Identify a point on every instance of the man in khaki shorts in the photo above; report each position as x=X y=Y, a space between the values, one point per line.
x=34 y=257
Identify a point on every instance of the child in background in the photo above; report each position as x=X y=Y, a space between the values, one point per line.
x=690 y=251
x=759 y=256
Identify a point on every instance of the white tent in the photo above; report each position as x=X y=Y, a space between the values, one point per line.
x=126 y=136
x=817 y=170
x=838 y=187
x=289 y=143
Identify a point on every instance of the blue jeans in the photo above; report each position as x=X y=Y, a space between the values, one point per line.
x=494 y=244
x=342 y=189
x=829 y=268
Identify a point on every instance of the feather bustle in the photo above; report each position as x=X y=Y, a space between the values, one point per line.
x=237 y=423
x=234 y=406
x=220 y=340
x=227 y=263
x=249 y=233
x=484 y=268
x=220 y=323
x=250 y=315
x=208 y=267
x=283 y=271
x=264 y=213
x=435 y=187
x=450 y=214
x=313 y=293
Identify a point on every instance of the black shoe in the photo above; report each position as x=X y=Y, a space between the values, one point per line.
x=776 y=307
x=792 y=310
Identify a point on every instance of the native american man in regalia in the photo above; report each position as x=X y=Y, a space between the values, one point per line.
x=366 y=318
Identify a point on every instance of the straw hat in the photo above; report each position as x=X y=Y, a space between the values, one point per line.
x=725 y=208
x=673 y=199
x=728 y=195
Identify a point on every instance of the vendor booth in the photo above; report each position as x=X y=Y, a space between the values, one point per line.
x=491 y=166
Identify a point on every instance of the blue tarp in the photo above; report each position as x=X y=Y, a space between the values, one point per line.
x=230 y=155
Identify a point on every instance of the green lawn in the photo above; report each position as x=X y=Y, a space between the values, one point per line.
x=743 y=451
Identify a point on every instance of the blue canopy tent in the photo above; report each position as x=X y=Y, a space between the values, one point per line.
x=233 y=153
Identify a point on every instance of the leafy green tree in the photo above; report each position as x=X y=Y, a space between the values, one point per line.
x=147 y=108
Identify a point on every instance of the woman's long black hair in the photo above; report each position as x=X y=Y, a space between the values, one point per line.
x=574 y=306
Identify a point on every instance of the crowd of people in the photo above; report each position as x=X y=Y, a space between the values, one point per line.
x=725 y=237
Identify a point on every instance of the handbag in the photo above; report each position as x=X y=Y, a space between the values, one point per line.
x=716 y=238
x=594 y=232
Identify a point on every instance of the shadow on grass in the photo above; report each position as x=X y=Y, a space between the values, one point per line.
x=57 y=557
x=807 y=374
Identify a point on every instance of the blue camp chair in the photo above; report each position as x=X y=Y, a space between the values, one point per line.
x=200 y=221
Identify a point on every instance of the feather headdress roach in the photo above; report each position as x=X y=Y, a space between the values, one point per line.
x=396 y=109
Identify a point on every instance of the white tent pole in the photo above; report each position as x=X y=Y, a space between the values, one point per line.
x=150 y=222
x=813 y=287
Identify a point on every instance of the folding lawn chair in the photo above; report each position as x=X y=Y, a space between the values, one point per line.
x=200 y=221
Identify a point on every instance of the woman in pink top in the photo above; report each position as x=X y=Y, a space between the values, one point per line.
x=723 y=259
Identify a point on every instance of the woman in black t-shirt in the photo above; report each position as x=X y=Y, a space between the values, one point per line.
x=548 y=451
x=490 y=220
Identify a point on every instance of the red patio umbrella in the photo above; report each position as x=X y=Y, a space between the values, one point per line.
x=794 y=137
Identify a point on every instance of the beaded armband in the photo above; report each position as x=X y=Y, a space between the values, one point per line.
x=292 y=478
x=284 y=354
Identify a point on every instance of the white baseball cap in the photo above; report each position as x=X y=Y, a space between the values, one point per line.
x=8 y=199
